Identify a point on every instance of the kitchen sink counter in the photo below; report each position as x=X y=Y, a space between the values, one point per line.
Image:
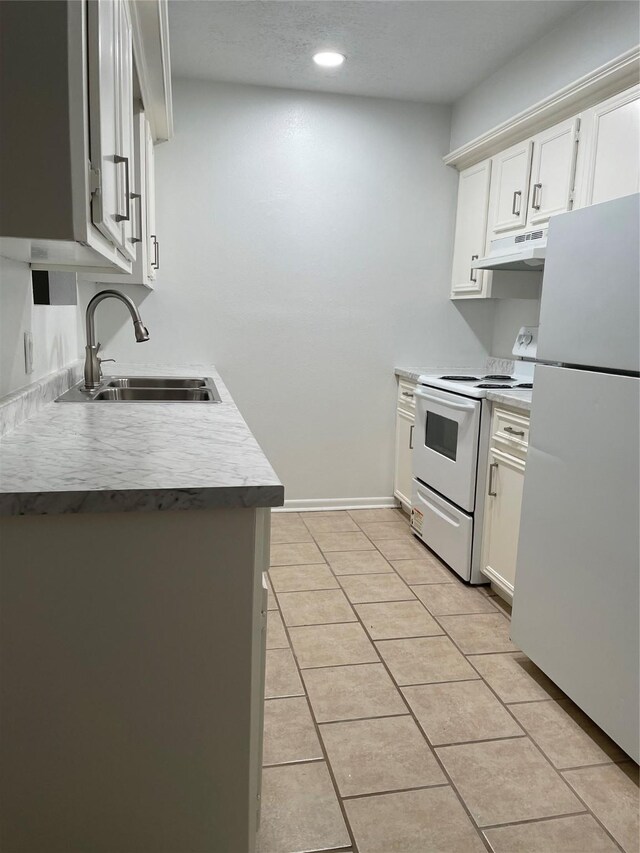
x=135 y=457
x=517 y=399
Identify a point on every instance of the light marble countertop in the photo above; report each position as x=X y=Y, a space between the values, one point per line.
x=517 y=399
x=135 y=457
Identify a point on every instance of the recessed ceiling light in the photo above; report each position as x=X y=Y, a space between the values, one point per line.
x=328 y=59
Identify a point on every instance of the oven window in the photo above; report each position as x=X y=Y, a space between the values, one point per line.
x=442 y=435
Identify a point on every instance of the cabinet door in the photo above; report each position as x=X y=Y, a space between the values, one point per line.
x=108 y=207
x=553 y=171
x=610 y=142
x=125 y=125
x=510 y=173
x=404 y=453
x=152 y=244
x=471 y=229
x=502 y=518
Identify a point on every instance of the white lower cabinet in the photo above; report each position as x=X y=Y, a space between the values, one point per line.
x=505 y=480
x=405 y=422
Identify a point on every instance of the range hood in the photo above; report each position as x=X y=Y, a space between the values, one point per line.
x=525 y=252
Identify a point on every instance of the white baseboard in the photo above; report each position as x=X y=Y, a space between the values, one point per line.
x=320 y=504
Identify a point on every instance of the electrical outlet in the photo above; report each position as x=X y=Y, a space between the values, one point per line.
x=28 y=352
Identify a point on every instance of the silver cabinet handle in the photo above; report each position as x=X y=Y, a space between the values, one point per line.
x=138 y=197
x=490 y=490
x=473 y=274
x=127 y=193
x=156 y=252
x=514 y=431
x=517 y=197
x=407 y=394
x=536 y=196
x=411 y=437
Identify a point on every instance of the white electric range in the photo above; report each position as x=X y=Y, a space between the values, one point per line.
x=450 y=450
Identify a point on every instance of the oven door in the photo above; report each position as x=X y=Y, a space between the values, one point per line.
x=445 y=449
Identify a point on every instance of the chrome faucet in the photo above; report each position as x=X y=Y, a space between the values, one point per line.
x=92 y=369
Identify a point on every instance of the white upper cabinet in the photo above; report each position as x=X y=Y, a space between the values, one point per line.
x=143 y=217
x=553 y=171
x=66 y=147
x=111 y=117
x=151 y=259
x=107 y=204
x=609 y=165
x=471 y=230
x=511 y=171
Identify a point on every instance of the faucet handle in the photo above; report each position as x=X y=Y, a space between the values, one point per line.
x=102 y=360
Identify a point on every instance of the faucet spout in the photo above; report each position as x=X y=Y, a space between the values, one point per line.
x=92 y=369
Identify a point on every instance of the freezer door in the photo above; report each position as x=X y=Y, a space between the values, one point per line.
x=575 y=610
x=591 y=286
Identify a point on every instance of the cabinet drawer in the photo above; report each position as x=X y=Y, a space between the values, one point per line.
x=406 y=397
x=510 y=432
x=447 y=529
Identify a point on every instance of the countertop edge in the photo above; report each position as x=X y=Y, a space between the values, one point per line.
x=136 y=500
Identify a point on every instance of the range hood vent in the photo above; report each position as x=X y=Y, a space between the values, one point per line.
x=526 y=253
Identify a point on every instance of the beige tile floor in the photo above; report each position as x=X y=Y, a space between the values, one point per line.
x=400 y=717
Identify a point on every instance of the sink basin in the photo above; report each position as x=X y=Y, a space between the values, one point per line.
x=155 y=382
x=146 y=389
x=158 y=395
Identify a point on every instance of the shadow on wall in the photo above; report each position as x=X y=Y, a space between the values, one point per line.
x=479 y=315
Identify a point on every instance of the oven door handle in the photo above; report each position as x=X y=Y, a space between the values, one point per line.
x=463 y=407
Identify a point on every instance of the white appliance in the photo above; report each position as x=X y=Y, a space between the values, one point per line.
x=450 y=447
x=525 y=252
x=575 y=610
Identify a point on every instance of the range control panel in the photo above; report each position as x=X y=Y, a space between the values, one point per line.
x=526 y=344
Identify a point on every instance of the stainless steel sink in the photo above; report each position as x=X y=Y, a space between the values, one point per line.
x=157 y=395
x=146 y=389
x=155 y=382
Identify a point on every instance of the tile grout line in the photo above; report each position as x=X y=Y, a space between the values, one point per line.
x=325 y=756
x=526 y=734
x=436 y=757
x=410 y=711
x=535 y=745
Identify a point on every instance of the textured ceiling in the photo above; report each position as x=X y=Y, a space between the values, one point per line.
x=421 y=50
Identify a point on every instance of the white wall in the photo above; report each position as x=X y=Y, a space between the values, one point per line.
x=595 y=34
x=306 y=249
x=54 y=329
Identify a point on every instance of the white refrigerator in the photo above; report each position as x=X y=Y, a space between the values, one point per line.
x=575 y=610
